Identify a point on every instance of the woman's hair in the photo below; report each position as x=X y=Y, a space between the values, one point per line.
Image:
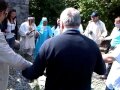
x=3 y=5
x=9 y=14
x=56 y=23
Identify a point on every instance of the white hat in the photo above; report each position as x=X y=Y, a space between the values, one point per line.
x=29 y=18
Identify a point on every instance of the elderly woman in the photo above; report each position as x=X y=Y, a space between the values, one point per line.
x=45 y=32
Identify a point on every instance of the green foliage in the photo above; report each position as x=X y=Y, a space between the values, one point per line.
x=49 y=8
x=108 y=9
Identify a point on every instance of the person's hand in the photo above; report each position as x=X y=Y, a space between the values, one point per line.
x=90 y=32
x=36 y=34
x=102 y=38
x=27 y=33
x=6 y=31
x=108 y=58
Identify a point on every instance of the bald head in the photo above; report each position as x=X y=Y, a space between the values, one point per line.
x=70 y=17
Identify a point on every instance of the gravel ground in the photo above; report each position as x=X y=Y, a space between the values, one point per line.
x=18 y=82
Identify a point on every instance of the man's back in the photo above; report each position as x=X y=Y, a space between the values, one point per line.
x=70 y=59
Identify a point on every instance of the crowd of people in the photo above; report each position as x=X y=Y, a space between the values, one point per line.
x=66 y=52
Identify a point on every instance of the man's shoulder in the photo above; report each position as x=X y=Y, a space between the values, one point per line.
x=101 y=22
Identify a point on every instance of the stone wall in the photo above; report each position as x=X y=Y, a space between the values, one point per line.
x=22 y=8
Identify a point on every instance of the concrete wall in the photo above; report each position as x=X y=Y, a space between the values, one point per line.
x=22 y=8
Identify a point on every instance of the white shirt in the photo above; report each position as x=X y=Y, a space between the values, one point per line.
x=113 y=80
x=98 y=30
x=10 y=27
x=81 y=29
x=27 y=41
x=56 y=31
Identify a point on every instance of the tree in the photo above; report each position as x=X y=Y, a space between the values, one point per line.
x=49 y=8
x=108 y=10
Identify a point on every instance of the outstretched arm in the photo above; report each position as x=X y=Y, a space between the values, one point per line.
x=8 y=56
x=38 y=67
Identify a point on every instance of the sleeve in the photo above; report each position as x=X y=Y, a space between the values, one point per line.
x=100 y=67
x=8 y=56
x=38 y=67
x=104 y=31
x=113 y=34
x=81 y=29
x=116 y=54
x=50 y=32
x=53 y=30
x=86 y=33
x=22 y=30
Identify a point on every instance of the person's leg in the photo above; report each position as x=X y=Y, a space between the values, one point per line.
x=108 y=69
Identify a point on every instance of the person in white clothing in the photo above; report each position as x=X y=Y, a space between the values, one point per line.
x=27 y=32
x=96 y=29
x=56 y=29
x=7 y=56
x=113 y=79
x=81 y=29
x=11 y=29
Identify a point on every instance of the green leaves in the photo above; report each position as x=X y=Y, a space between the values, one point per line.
x=108 y=9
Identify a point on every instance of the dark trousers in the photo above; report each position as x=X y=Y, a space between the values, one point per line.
x=109 y=64
x=11 y=42
x=108 y=69
x=108 y=88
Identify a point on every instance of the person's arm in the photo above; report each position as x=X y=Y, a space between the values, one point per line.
x=8 y=56
x=23 y=31
x=108 y=58
x=113 y=56
x=50 y=32
x=81 y=29
x=104 y=31
x=38 y=67
x=87 y=31
x=112 y=35
x=100 y=67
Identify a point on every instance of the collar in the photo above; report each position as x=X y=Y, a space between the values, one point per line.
x=72 y=31
x=67 y=29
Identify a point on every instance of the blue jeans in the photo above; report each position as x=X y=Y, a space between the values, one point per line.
x=11 y=42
